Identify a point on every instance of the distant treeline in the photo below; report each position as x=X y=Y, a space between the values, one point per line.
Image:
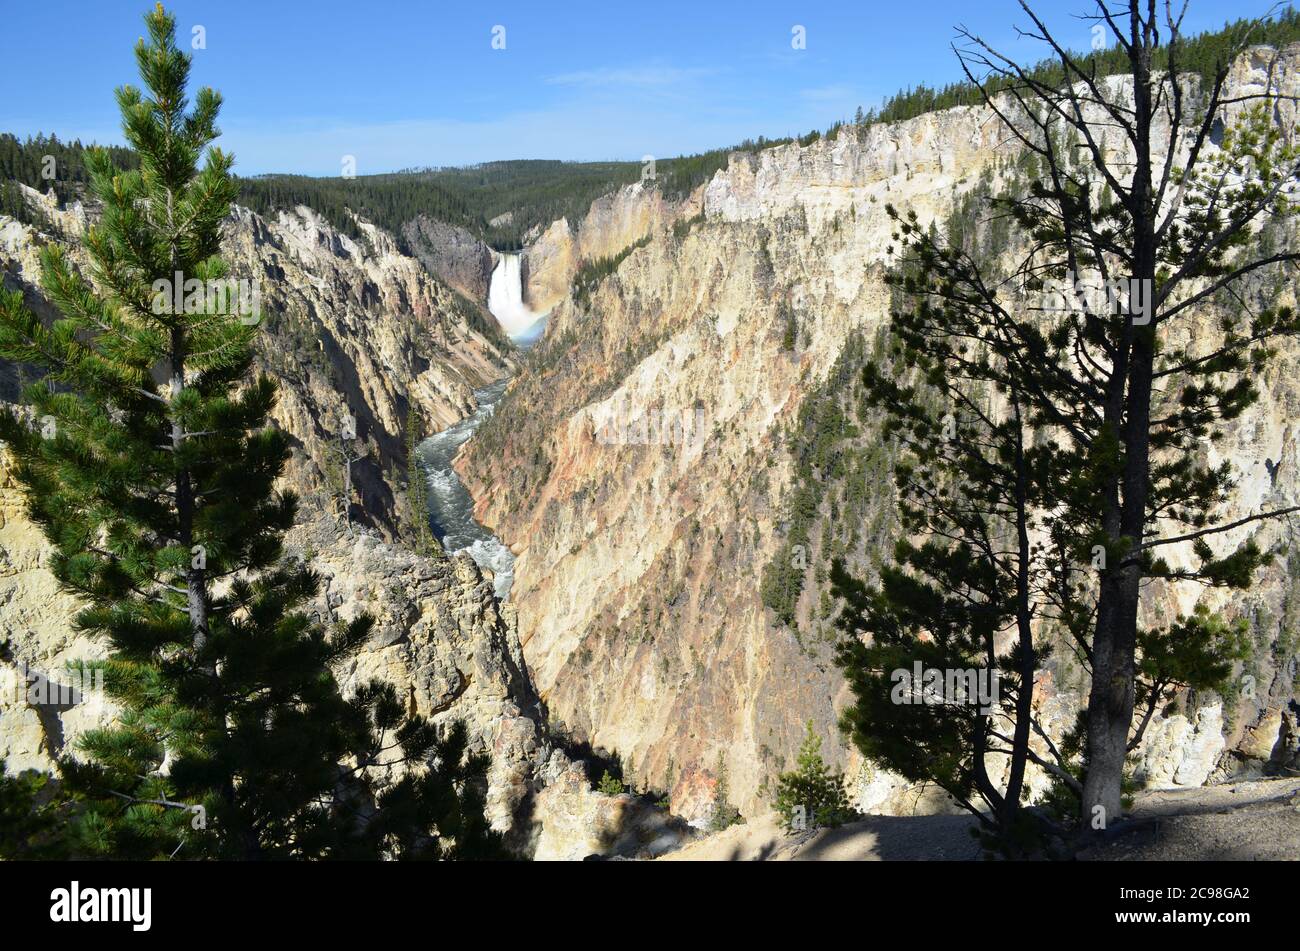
x=28 y=161
x=1200 y=54
x=500 y=202
x=526 y=192
x=44 y=162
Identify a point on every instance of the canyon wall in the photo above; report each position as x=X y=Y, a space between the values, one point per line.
x=356 y=328
x=613 y=223
x=451 y=254
x=640 y=466
x=349 y=328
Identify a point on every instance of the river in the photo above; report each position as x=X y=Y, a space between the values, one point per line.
x=451 y=507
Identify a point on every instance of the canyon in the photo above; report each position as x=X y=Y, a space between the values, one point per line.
x=620 y=617
x=362 y=341
x=640 y=566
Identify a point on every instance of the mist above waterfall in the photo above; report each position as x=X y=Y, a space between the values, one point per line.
x=506 y=299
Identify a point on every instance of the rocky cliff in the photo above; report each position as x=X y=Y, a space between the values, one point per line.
x=353 y=331
x=349 y=328
x=640 y=466
x=452 y=254
x=612 y=224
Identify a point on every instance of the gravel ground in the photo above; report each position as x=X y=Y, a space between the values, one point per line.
x=1246 y=821
x=876 y=838
x=1234 y=822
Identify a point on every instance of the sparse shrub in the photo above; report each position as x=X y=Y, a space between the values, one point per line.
x=814 y=788
x=610 y=785
x=725 y=815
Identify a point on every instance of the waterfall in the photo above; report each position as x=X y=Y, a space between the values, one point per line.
x=451 y=507
x=506 y=299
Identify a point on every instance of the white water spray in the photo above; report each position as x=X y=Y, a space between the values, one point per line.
x=506 y=298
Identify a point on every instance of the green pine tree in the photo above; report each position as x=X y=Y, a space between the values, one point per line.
x=29 y=817
x=610 y=785
x=724 y=814
x=151 y=468
x=812 y=796
x=417 y=492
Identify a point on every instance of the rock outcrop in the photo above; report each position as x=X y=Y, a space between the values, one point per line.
x=36 y=643
x=612 y=224
x=452 y=254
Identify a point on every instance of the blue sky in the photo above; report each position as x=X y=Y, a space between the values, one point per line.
x=403 y=83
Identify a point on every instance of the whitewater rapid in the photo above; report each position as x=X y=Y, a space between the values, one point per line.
x=451 y=507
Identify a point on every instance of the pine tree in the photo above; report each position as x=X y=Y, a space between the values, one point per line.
x=29 y=818
x=812 y=796
x=610 y=785
x=724 y=814
x=151 y=468
x=1051 y=450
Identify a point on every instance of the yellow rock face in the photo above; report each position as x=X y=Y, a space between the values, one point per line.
x=637 y=583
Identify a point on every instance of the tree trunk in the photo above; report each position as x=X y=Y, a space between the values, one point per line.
x=1114 y=662
x=1024 y=628
x=195 y=578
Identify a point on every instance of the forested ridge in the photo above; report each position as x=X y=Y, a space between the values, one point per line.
x=1198 y=54
x=45 y=162
x=501 y=202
